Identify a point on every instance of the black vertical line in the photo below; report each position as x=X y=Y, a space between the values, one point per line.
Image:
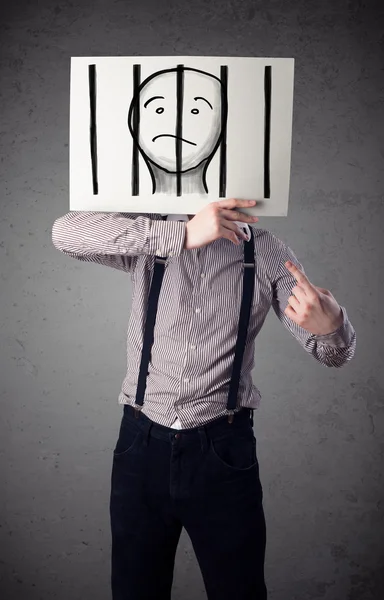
x=223 y=144
x=179 y=125
x=135 y=129
x=267 y=130
x=92 y=126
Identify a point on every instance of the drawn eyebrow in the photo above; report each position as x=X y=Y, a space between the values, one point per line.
x=150 y=100
x=201 y=98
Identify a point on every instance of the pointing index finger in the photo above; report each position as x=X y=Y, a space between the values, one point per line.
x=298 y=275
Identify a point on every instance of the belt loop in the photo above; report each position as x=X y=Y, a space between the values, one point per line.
x=147 y=428
x=204 y=439
x=144 y=426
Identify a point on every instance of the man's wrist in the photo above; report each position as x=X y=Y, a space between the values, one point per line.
x=337 y=323
x=341 y=337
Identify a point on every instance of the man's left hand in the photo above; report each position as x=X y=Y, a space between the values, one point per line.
x=313 y=308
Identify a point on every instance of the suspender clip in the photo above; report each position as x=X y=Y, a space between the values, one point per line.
x=231 y=415
x=137 y=411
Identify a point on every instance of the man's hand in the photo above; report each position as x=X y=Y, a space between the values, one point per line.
x=313 y=308
x=215 y=221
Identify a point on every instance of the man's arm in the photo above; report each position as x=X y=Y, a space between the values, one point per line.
x=333 y=349
x=114 y=239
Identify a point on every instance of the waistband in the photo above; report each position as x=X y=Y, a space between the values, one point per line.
x=218 y=427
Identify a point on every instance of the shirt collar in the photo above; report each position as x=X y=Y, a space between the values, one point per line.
x=176 y=217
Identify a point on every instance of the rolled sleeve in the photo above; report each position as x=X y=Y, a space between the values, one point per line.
x=166 y=238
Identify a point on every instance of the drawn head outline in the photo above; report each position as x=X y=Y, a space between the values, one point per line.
x=178 y=128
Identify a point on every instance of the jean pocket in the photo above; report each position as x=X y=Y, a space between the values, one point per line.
x=128 y=439
x=236 y=451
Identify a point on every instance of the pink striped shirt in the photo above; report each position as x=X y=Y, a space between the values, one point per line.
x=197 y=318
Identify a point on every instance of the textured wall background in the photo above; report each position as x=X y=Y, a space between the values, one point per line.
x=63 y=323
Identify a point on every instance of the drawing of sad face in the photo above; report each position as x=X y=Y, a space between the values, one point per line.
x=180 y=118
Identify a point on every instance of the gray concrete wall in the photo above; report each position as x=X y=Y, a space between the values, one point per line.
x=63 y=323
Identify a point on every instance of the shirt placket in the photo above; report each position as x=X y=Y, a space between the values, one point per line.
x=192 y=346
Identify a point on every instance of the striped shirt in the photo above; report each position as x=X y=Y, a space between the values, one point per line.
x=198 y=310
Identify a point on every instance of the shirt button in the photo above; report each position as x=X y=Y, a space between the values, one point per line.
x=202 y=275
x=170 y=253
x=186 y=379
x=198 y=310
x=158 y=251
x=193 y=346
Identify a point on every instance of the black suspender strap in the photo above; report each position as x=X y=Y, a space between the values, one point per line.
x=153 y=298
x=245 y=311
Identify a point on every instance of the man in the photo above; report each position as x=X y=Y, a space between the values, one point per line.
x=186 y=451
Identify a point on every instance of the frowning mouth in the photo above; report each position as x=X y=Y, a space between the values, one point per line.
x=174 y=136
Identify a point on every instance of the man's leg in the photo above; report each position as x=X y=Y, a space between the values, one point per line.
x=144 y=532
x=225 y=519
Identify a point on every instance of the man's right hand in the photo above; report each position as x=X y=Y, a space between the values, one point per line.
x=216 y=220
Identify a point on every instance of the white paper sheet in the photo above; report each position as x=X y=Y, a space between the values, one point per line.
x=171 y=134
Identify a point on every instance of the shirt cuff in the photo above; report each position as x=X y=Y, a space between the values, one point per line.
x=341 y=337
x=166 y=238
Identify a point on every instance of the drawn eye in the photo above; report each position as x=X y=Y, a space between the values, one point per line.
x=159 y=110
x=195 y=111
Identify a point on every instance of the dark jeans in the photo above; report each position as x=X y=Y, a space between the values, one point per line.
x=205 y=479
